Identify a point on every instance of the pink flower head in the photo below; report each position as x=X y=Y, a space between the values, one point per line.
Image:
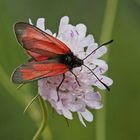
x=75 y=98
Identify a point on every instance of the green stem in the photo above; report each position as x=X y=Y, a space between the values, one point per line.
x=30 y=103
x=108 y=21
x=23 y=97
x=44 y=120
x=106 y=31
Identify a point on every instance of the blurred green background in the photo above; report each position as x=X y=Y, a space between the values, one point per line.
x=122 y=104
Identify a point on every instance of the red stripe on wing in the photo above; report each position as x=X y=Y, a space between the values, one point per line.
x=34 y=71
x=36 y=56
x=37 y=41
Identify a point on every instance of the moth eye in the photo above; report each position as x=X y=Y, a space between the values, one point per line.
x=68 y=58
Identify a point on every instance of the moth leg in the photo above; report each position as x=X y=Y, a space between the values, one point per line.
x=75 y=78
x=57 y=89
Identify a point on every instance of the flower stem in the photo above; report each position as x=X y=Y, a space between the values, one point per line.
x=44 y=120
x=106 y=31
x=23 y=96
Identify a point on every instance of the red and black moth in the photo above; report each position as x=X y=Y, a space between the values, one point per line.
x=49 y=56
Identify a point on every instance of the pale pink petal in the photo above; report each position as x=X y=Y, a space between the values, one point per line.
x=108 y=81
x=81 y=30
x=67 y=113
x=64 y=110
x=100 y=52
x=63 y=22
x=99 y=62
x=81 y=118
x=87 y=115
x=41 y=24
x=30 y=21
x=87 y=41
x=48 y=31
x=101 y=70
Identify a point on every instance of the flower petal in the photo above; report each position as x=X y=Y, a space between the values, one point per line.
x=81 y=118
x=100 y=52
x=87 y=115
x=100 y=70
x=99 y=62
x=108 y=81
x=67 y=114
x=86 y=42
x=48 y=32
x=81 y=30
x=64 y=110
x=41 y=24
x=63 y=22
x=30 y=21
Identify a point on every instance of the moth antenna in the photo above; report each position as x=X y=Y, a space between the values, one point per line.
x=98 y=78
x=106 y=43
x=30 y=103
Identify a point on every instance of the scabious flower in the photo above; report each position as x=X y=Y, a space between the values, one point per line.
x=75 y=98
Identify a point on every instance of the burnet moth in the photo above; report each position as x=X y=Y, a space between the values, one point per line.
x=49 y=56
